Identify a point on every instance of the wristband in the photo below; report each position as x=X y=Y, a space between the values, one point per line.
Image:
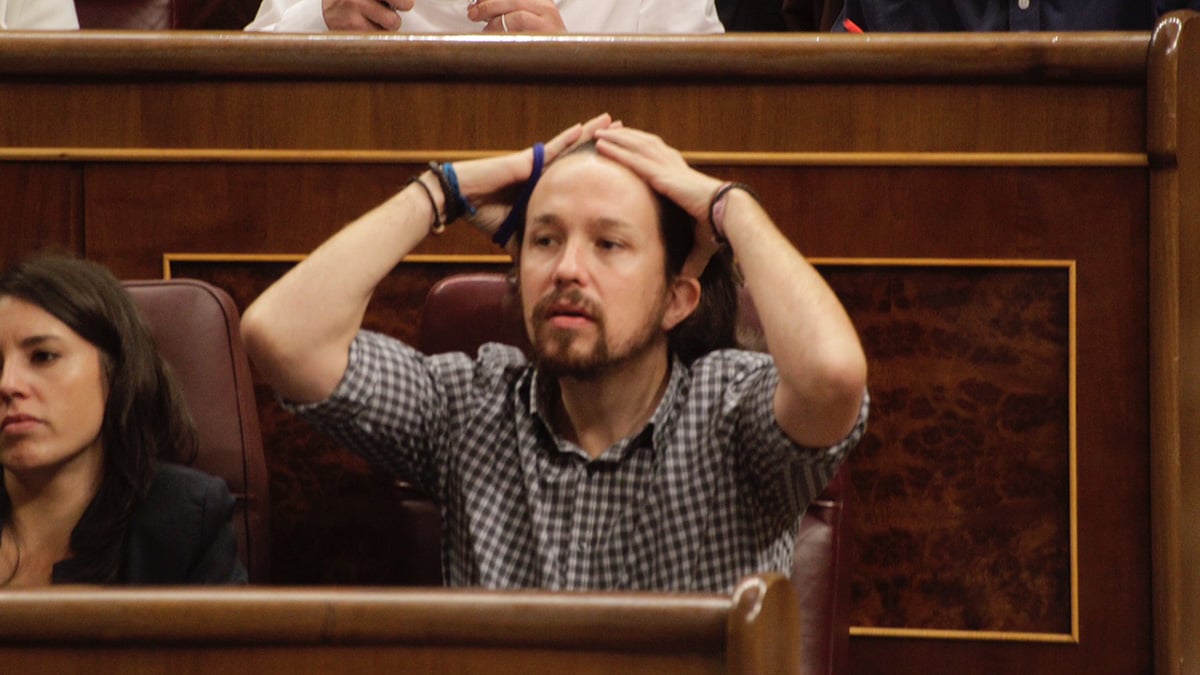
x=452 y=178
x=716 y=208
x=437 y=226
x=455 y=204
x=516 y=217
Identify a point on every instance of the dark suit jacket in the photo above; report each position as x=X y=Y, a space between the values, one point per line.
x=181 y=533
x=777 y=15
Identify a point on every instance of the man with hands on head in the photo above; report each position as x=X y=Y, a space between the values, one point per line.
x=627 y=452
x=489 y=16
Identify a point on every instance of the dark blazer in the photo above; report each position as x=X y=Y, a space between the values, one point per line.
x=181 y=533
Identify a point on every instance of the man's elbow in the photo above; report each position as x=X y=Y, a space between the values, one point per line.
x=823 y=409
x=262 y=344
x=255 y=334
x=845 y=385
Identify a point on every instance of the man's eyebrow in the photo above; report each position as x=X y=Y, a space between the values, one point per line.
x=613 y=223
x=602 y=223
x=546 y=219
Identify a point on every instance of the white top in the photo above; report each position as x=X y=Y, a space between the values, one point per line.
x=450 y=16
x=38 y=15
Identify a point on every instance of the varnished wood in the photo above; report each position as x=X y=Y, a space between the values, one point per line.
x=1173 y=140
x=42 y=209
x=1038 y=57
x=296 y=631
x=445 y=117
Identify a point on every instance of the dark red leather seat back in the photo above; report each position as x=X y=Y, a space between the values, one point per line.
x=195 y=326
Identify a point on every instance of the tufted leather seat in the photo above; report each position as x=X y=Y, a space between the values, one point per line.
x=195 y=326
x=463 y=311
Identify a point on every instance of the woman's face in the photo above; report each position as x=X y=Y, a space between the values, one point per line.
x=52 y=391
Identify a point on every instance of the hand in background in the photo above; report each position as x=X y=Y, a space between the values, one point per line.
x=517 y=16
x=364 y=15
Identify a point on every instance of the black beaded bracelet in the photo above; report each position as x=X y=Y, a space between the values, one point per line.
x=456 y=205
x=437 y=226
x=716 y=208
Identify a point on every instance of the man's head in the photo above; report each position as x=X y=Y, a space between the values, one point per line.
x=599 y=272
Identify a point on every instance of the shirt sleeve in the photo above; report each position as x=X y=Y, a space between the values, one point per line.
x=289 y=16
x=39 y=15
x=389 y=407
x=782 y=475
x=405 y=411
x=679 y=16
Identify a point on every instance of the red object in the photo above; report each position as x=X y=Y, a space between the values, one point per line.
x=850 y=26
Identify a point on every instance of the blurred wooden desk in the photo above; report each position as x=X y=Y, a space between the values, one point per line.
x=293 y=631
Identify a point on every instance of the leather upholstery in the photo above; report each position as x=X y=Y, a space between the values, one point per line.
x=165 y=14
x=463 y=311
x=195 y=326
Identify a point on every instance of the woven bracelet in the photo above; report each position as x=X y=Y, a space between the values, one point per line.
x=716 y=208
x=455 y=204
x=437 y=226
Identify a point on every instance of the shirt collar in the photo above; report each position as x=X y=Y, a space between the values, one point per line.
x=534 y=389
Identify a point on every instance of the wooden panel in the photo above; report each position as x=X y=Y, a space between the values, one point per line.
x=41 y=210
x=373 y=115
x=1174 y=145
x=964 y=517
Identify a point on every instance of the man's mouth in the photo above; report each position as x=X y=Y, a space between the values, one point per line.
x=568 y=310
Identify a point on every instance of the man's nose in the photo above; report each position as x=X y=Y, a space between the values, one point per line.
x=570 y=264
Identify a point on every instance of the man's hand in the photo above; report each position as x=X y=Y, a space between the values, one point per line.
x=489 y=183
x=364 y=15
x=667 y=173
x=517 y=16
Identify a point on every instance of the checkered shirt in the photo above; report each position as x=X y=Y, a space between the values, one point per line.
x=709 y=491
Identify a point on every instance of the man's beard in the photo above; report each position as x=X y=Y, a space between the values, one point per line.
x=552 y=347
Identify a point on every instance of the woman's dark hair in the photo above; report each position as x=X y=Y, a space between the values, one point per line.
x=713 y=324
x=145 y=416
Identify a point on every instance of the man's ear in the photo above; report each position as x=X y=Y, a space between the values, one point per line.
x=682 y=300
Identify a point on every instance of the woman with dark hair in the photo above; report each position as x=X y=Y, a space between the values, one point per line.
x=88 y=407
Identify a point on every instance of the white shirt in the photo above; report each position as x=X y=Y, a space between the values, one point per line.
x=38 y=15
x=450 y=16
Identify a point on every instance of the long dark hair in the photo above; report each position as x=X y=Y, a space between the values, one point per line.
x=145 y=416
x=713 y=324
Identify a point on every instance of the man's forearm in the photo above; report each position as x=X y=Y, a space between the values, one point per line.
x=298 y=332
x=816 y=349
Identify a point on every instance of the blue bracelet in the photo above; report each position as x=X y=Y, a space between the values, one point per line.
x=452 y=178
x=516 y=216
